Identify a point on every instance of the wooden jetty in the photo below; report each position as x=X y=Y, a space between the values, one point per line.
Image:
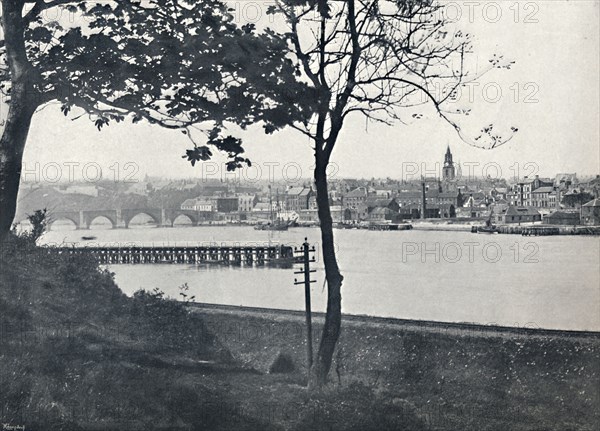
x=540 y=231
x=226 y=255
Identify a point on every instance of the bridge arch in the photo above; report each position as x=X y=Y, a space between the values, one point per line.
x=95 y=217
x=59 y=218
x=130 y=215
x=54 y=216
x=190 y=215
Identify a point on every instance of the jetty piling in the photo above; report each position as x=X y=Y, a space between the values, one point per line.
x=227 y=255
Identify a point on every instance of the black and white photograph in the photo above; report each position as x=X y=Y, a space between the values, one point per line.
x=299 y=215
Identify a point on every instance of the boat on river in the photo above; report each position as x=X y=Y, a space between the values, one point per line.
x=488 y=228
x=274 y=223
x=277 y=225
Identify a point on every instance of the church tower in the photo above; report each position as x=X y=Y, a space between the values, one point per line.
x=448 y=172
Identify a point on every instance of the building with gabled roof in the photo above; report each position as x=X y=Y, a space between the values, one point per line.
x=297 y=198
x=355 y=198
x=562 y=218
x=382 y=203
x=518 y=214
x=590 y=213
x=540 y=197
x=382 y=214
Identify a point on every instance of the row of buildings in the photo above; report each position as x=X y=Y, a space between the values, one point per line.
x=559 y=200
x=222 y=203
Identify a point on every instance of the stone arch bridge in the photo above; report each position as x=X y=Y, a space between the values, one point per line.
x=120 y=218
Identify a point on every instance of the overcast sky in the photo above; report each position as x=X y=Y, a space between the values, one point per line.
x=556 y=49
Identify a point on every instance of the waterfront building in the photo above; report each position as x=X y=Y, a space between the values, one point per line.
x=381 y=214
x=198 y=204
x=518 y=214
x=438 y=204
x=297 y=198
x=226 y=204
x=355 y=197
x=590 y=213
x=391 y=204
x=523 y=191
x=562 y=218
x=540 y=197
x=246 y=201
x=338 y=215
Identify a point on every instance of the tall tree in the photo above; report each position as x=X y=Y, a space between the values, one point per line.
x=181 y=64
x=575 y=199
x=382 y=59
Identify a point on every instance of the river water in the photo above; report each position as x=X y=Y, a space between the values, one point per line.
x=547 y=282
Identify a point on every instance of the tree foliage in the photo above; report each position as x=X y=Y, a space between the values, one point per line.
x=39 y=224
x=577 y=198
x=387 y=60
x=181 y=64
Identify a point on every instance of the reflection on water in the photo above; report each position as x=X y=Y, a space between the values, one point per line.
x=548 y=282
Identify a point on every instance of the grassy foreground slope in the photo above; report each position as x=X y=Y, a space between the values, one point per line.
x=77 y=354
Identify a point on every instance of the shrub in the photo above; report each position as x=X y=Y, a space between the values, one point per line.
x=283 y=363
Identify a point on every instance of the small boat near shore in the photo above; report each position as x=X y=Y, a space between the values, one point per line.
x=489 y=228
x=344 y=226
x=485 y=229
x=275 y=226
x=276 y=222
x=88 y=238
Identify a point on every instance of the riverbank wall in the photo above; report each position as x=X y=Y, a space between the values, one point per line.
x=528 y=229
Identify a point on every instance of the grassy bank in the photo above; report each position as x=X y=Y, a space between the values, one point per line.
x=453 y=377
x=77 y=354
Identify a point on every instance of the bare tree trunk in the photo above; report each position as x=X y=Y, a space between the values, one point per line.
x=22 y=105
x=333 y=318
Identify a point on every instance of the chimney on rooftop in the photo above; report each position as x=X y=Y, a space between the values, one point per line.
x=423 y=201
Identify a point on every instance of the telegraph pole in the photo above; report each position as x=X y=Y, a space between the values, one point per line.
x=306 y=271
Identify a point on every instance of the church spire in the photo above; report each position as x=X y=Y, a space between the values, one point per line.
x=448 y=158
x=448 y=173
